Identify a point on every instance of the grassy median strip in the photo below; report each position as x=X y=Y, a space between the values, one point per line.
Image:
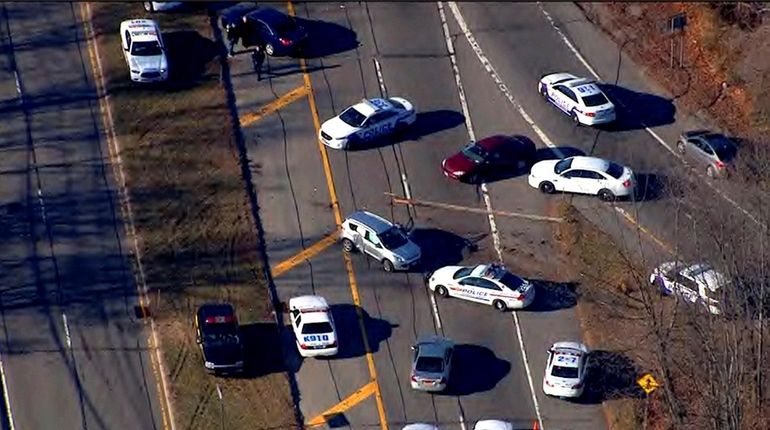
x=198 y=239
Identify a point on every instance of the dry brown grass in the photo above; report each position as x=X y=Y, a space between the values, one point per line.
x=198 y=240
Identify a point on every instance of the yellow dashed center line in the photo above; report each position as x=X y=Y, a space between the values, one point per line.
x=357 y=397
x=288 y=264
x=338 y=220
x=280 y=102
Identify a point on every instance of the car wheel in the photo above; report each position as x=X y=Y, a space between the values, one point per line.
x=575 y=118
x=680 y=147
x=711 y=172
x=442 y=291
x=606 y=195
x=547 y=187
x=387 y=265
x=148 y=6
x=269 y=50
x=543 y=91
x=348 y=245
x=499 y=305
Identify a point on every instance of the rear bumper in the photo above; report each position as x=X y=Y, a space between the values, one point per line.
x=325 y=352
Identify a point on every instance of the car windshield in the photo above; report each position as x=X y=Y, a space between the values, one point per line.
x=463 y=272
x=220 y=333
x=563 y=165
x=511 y=281
x=615 y=170
x=146 y=49
x=474 y=152
x=595 y=100
x=317 y=328
x=429 y=364
x=564 y=372
x=722 y=146
x=352 y=117
x=393 y=239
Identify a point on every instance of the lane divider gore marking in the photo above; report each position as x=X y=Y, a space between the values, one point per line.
x=655 y=136
x=306 y=254
x=469 y=126
x=357 y=397
x=129 y=225
x=448 y=206
x=280 y=102
x=338 y=219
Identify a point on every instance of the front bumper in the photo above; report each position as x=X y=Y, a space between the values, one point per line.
x=331 y=142
x=406 y=265
x=160 y=77
x=226 y=368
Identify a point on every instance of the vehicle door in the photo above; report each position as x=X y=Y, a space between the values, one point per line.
x=378 y=125
x=592 y=182
x=470 y=290
x=701 y=153
x=492 y=290
x=572 y=181
x=564 y=98
x=686 y=288
x=372 y=245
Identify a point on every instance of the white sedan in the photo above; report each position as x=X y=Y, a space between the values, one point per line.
x=313 y=326
x=565 y=372
x=144 y=50
x=696 y=283
x=580 y=98
x=490 y=284
x=583 y=175
x=366 y=121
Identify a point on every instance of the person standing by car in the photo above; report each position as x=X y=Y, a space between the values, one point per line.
x=233 y=34
x=257 y=59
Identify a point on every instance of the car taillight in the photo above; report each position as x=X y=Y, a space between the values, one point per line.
x=284 y=42
x=520 y=297
x=627 y=183
x=548 y=383
x=720 y=165
x=333 y=344
x=303 y=346
x=590 y=114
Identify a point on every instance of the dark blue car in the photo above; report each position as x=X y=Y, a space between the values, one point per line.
x=279 y=33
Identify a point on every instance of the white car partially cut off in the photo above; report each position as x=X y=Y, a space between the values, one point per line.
x=580 y=98
x=144 y=50
x=366 y=121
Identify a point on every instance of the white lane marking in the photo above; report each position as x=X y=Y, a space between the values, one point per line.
x=6 y=397
x=66 y=330
x=654 y=135
x=434 y=307
x=462 y=420
x=128 y=212
x=18 y=81
x=471 y=135
x=380 y=80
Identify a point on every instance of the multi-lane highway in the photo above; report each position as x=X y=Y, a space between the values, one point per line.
x=74 y=356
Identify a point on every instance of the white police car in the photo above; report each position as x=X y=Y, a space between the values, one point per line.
x=491 y=284
x=580 y=98
x=493 y=425
x=565 y=372
x=144 y=50
x=366 y=121
x=696 y=283
x=313 y=326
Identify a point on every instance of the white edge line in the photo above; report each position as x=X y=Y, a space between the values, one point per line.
x=434 y=307
x=587 y=65
x=6 y=396
x=487 y=201
x=66 y=330
x=129 y=221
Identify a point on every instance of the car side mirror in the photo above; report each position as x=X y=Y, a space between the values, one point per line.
x=413 y=348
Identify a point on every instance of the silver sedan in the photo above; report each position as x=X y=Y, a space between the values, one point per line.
x=431 y=363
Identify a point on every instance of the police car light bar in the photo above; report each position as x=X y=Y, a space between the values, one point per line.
x=220 y=319
x=310 y=310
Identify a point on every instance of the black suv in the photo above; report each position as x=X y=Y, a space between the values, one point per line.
x=216 y=331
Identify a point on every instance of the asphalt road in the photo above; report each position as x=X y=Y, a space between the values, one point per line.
x=73 y=354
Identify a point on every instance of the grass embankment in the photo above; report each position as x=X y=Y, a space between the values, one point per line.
x=198 y=240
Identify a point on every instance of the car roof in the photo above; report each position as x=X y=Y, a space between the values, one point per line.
x=309 y=303
x=433 y=346
x=704 y=273
x=567 y=354
x=589 y=163
x=489 y=271
x=584 y=87
x=369 y=107
x=141 y=30
x=374 y=222
x=420 y=426
x=215 y=309
x=269 y=15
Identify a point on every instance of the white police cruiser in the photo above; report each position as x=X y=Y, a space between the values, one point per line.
x=368 y=120
x=565 y=372
x=491 y=284
x=313 y=326
x=580 y=98
x=144 y=50
x=696 y=283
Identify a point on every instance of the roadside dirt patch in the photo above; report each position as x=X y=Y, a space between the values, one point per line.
x=199 y=242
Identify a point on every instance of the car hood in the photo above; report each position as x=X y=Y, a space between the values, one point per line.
x=408 y=251
x=223 y=354
x=154 y=62
x=459 y=164
x=544 y=168
x=337 y=128
x=445 y=273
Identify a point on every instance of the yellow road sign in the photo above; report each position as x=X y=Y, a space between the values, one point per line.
x=648 y=383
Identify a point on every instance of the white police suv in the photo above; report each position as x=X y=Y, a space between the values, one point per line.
x=491 y=284
x=565 y=372
x=313 y=326
x=580 y=98
x=366 y=121
x=144 y=50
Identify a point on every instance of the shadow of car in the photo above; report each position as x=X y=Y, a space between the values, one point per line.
x=325 y=38
x=188 y=55
x=557 y=153
x=611 y=375
x=349 y=334
x=635 y=110
x=440 y=247
x=552 y=296
x=475 y=369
